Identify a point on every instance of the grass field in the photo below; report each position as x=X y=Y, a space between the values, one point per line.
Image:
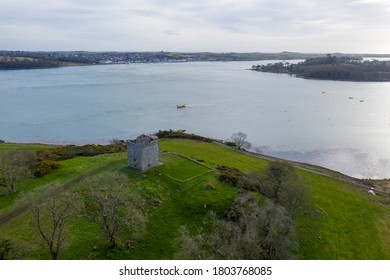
x=31 y=147
x=181 y=168
x=352 y=224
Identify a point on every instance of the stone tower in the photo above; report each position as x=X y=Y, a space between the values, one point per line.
x=142 y=153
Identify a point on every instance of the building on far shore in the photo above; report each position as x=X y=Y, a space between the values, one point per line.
x=142 y=152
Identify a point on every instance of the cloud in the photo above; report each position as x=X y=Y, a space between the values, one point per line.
x=370 y=2
x=217 y=25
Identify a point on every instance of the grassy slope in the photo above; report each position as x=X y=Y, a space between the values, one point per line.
x=180 y=168
x=352 y=225
x=71 y=170
x=32 y=147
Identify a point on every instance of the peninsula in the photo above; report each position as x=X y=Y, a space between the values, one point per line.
x=344 y=68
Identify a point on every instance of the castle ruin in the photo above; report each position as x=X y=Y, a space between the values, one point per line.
x=142 y=153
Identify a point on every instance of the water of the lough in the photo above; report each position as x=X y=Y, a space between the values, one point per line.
x=340 y=125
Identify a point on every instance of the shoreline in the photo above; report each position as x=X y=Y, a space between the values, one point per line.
x=318 y=79
x=380 y=186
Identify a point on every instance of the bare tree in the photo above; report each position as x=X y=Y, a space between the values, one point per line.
x=267 y=231
x=52 y=216
x=239 y=138
x=278 y=175
x=114 y=207
x=277 y=230
x=286 y=188
x=15 y=166
x=192 y=246
x=253 y=231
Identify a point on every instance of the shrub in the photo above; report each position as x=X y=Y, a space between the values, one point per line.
x=71 y=151
x=45 y=167
x=209 y=186
x=230 y=143
x=181 y=134
x=47 y=155
x=231 y=176
x=8 y=250
x=234 y=177
x=257 y=232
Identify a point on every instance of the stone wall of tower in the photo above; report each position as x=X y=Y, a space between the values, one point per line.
x=142 y=153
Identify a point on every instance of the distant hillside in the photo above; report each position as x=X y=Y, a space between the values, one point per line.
x=333 y=68
x=32 y=60
x=11 y=63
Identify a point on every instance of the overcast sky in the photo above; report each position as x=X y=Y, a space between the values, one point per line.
x=353 y=26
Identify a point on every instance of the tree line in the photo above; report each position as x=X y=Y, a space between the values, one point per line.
x=13 y=63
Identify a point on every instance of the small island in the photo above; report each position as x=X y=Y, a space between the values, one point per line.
x=345 y=68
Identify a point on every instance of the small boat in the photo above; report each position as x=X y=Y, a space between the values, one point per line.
x=350 y=97
x=361 y=100
x=180 y=106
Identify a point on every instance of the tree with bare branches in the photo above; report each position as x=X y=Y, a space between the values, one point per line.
x=115 y=208
x=15 y=166
x=52 y=215
x=286 y=188
x=239 y=138
x=252 y=230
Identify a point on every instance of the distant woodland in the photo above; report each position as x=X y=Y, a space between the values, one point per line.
x=332 y=68
x=13 y=63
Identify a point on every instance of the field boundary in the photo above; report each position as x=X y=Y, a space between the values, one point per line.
x=190 y=159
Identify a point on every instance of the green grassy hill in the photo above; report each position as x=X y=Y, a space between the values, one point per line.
x=352 y=223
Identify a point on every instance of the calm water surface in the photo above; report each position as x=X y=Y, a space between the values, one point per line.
x=320 y=122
